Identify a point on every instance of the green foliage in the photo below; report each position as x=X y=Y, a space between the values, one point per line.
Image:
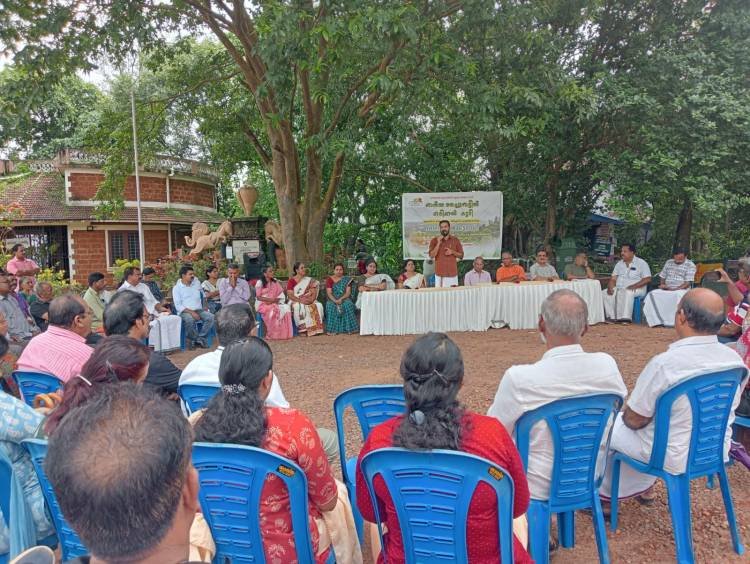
x=118 y=271
x=60 y=284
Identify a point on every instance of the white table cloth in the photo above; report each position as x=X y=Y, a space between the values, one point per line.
x=474 y=308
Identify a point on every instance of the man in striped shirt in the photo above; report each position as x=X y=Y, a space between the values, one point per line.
x=62 y=349
x=676 y=278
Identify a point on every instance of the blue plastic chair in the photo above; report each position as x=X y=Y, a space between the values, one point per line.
x=71 y=545
x=577 y=425
x=231 y=482
x=638 y=309
x=198 y=327
x=196 y=396
x=259 y=324
x=31 y=384
x=710 y=397
x=432 y=491
x=373 y=405
x=742 y=421
x=6 y=480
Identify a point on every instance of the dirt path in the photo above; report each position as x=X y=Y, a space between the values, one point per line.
x=314 y=371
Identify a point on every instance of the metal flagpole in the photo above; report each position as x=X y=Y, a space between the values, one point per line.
x=141 y=251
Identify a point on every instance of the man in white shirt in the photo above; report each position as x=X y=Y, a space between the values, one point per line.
x=191 y=306
x=676 y=278
x=165 y=328
x=233 y=323
x=629 y=279
x=699 y=317
x=565 y=370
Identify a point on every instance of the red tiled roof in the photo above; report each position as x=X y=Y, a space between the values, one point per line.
x=42 y=197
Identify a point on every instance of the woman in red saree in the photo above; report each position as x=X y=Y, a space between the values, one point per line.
x=270 y=302
x=302 y=292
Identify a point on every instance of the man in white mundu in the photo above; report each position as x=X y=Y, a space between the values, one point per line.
x=446 y=251
x=165 y=328
x=629 y=279
x=676 y=278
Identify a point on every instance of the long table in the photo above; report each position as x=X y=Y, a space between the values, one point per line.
x=472 y=308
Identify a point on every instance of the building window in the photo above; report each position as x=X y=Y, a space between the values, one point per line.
x=122 y=245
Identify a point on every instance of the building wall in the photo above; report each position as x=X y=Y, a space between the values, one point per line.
x=90 y=249
x=83 y=186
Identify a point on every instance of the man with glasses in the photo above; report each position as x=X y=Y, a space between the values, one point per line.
x=61 y=350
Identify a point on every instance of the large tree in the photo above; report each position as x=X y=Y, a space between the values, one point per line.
x=314 y=70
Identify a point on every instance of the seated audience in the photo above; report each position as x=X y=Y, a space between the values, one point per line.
x=508 y=271
x=120 y=519
x=579 y=269
x=19 y=422
x=165 y=329
x=26 y=289
x=302 y=291
x=433 y=373
x=20 y=298
x=191 y=306
x=565 y=370
x=737 y=292
x=126 y=314
x=630 y=278
x=675 y=280
x=375 y=282
x=233 y=289
x=542 y=270
x=19 y=265
x=94 y=296
x=7 y=362
x=61 y=350
x=148 y=279
x=341 y=315
x=696 y=352
x=19 y=330
x=211 y=289
x=39 y=308
x=238 y=414
x=116 y=359
x=410 y=278
x=477 y=275
x=270 y=303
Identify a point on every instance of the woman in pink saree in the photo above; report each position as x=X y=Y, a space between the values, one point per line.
x=270 y=302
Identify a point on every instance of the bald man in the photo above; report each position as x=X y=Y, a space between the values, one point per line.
x=699 y=316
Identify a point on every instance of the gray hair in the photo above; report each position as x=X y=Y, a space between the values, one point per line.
x=700 y=318
x=41 y=285
x=565 y=313
x=744 y=265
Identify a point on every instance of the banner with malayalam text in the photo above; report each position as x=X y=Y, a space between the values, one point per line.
x=476 y=219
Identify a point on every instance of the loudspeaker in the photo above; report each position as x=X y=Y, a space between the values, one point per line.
x=254 y=263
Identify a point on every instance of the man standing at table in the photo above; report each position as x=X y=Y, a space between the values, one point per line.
x=447 y=251
x=477 y=275
x=629 y=279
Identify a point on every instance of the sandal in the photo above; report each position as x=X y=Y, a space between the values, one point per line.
x=647 y=497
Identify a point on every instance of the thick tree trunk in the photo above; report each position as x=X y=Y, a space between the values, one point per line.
x=684 y=225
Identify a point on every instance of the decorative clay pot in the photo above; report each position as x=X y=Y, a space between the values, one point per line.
x=247 y=195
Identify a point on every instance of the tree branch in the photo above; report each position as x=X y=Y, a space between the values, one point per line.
x=262 y=153
x=394 y=175
x=334 y=181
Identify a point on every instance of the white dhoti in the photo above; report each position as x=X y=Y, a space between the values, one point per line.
x=628 y=442
x=660 y=307
x=165 y=332
x=620 y=304
x=445 y=281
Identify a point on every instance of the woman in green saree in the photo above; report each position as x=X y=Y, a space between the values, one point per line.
x=340 y=313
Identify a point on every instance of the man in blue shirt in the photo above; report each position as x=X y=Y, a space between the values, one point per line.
x=187 y=296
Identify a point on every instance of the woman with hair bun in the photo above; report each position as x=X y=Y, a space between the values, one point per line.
x=433 y=373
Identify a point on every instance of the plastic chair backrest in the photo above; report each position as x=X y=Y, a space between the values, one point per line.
x=432 y=492
x=6 y=477
x=231 y=481
x=710 y=396
x=196 y=396
x=31 y=384
x=373 y=405
x=577 y=425
x=72 y=547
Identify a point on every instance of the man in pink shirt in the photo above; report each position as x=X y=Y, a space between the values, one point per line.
x=19 y=264
x=62 y=349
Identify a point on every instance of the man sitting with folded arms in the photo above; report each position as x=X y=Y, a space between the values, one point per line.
x=630 y=279
x=509 y=272
x=190 y=304
x=477 y=275
x=61 y=350
x=565 y=370
x=234 y=323
x=542 y=270
x=698 y=351
x=166 y=329
x=126 y=314
x=579 y=269
x=121 y=432
x=676 y=278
